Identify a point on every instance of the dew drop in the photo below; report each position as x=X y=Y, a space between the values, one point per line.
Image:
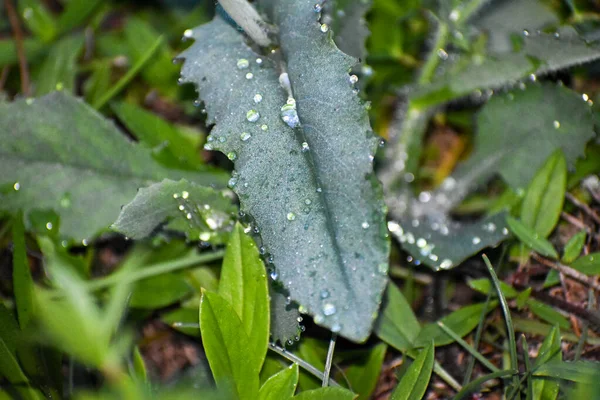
x=317 y=8
x=305 y=147
x=259 y=61
x=252 y=115
x=232 y=155
x=319 y=190
x=17 y=186
x=476 y=240
x=324 y=293
x=274 y=275
x=383 y=268
x=49 y=226
x=232 y=182
x=291 y=216
x=556 y=124
x=188 y=215
x=365 y=225
x=188 y=34
x=249 y=75
x=289 y=115
x=175 y=195
x=242 y=63
x=353 y=79
x=442 y=54
x=324 y=28
x=329 y=309
x=336 y=328
x=318 y=319
x=264 y=127
x=445 y=264
x=257 y=98
x=245 y=136
x=454 y=15
x=185 y=195
x=525 y=32
x=424 y=197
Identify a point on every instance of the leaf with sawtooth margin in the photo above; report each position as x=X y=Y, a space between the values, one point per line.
x=320 y=211
x=63 y=156
x=349 y=26
x=200 y=212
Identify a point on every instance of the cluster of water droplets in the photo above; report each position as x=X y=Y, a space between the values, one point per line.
x=201 y=217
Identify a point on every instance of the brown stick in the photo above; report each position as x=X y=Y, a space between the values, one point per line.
x=18 y=33
x=586 y=209
x=568 y=271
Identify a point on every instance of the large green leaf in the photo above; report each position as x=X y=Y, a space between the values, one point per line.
x=347 y=21
x=280 y=386
x=244 y=285
x=59 y=154
x=519 y=130
x=201 y=212
x=226 y=345
x=308 y=182
x=545 y=196
x=416 y=379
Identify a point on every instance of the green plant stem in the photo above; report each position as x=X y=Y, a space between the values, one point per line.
x=303 y=364
x=153 y=270
x=478 y=334
x=433 y=59
x=468 y=347
x=512 y=343
x=124 y=81
x=528 y=370
x=473 y=386
x=329 y=360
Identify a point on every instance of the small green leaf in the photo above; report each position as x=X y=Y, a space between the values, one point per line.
x=397 y=324
x=160 y=72
x=22 y=280
x=416 y=379
x=548 y=314
x=588 y=264
x=328 y=393
x=63 y=156
x=550 y=351
x=59 y=70
x=530 y=238
x=363 y=374
x=227 y=348
x=159 y=291
x=280 y=386
x=544 y=199
x=9 y=365
x=484 y=286
x=76 y=12
x=523 y=297
x=201 y=212
x=172 y=149
x=244 y=285
x=461 y=322
x=139 y=367
x=38 y=19
x=585 y=372
x=573 y=247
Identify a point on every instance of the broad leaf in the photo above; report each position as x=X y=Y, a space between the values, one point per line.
x=540 y=54
x=519 y=130
x=244 y=285
x=416 y=379
x=530 y=238
x=201 y=212
x=226 y=345
x=303 y=164
x=61 y=155
x=363 y=374
x=280 y=386
x=544 y=199
x=397 y=324
x=548 y=314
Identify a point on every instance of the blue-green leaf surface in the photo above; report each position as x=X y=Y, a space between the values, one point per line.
x=201 y=212
x=308 y=183
x=63 y=156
